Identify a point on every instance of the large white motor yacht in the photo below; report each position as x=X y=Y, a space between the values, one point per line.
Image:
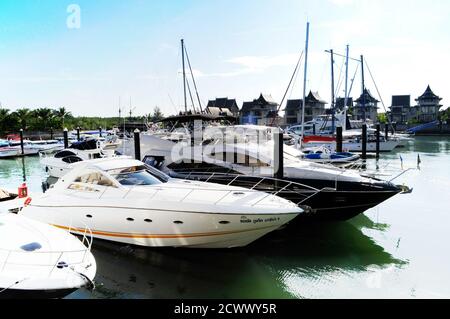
x=125 y=201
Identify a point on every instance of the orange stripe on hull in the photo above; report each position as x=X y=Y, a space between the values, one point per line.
x=162 y=236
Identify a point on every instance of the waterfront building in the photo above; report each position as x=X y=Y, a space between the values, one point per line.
x=315 y=106
x=260 y=111
x=366 y=107
x=401 y=110
x=428 y=106
x=223 y=107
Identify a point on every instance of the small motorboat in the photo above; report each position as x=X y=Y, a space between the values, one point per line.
x=324 y=155
x=126 y=201
x=41 y=261
x=56 y=164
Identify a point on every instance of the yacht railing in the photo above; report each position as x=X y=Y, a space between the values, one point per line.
x=272 y=186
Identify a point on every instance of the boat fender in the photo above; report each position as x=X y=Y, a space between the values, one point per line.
x=23 y=191
x=28 y=201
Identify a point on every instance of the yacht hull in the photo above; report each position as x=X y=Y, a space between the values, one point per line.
x=159 y=228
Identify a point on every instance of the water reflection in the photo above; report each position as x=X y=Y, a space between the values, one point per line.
x=257 y=271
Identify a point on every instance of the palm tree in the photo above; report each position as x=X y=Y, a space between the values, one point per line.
x=43 y=117
x=22 y=116
x=62 y=113
x=4 y=116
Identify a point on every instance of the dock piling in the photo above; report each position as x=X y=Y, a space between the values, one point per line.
x=137 y=144
x=364 y=141
x=378 y=140
x=235 y=159
x=278 y=155
x=339 y=139
x=386 y=132
x=21 y=141
x=66 y=138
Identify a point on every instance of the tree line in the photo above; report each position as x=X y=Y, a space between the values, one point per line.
x=46 y=119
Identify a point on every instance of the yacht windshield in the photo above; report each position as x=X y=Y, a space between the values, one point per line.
x=135 y=176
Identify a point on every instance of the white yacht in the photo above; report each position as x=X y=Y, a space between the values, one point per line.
x=335 y=193
x=125 y=201
x=57 y=164
x=40 y=261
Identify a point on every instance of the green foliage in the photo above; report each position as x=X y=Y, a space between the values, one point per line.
x=157 y=115
x=44 y=119
x=382 y=118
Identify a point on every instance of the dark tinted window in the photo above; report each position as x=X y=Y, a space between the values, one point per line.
x=72 y=159
x=63 y=154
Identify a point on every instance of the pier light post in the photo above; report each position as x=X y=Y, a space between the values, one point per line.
x=21 y=142
x=137 y=144
x=66 y=138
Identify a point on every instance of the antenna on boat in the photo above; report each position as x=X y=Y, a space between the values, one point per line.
x=304 y=84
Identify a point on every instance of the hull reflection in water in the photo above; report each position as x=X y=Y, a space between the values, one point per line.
x=257 y=271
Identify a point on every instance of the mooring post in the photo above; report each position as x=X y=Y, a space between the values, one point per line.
x=137 y=144
x=66 y=138
x=364 y=141
x=386 y=132
x=339 y=139
x=21 y=141
x=224 y=146
x=235 y=159
x=378 y=140
x=78 y=134
x=278 y=154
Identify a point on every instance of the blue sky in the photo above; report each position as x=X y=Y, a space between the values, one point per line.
x=130 y=49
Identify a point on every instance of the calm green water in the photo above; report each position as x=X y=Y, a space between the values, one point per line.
x=397 y=250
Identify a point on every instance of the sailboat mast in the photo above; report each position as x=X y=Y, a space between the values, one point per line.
x=184 y=77
x=333 y=104
x=363 y=89
x=347 y=52
x=305 y=78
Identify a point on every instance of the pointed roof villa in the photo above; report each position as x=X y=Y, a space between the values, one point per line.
x=367 y=98
x=428 y=95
